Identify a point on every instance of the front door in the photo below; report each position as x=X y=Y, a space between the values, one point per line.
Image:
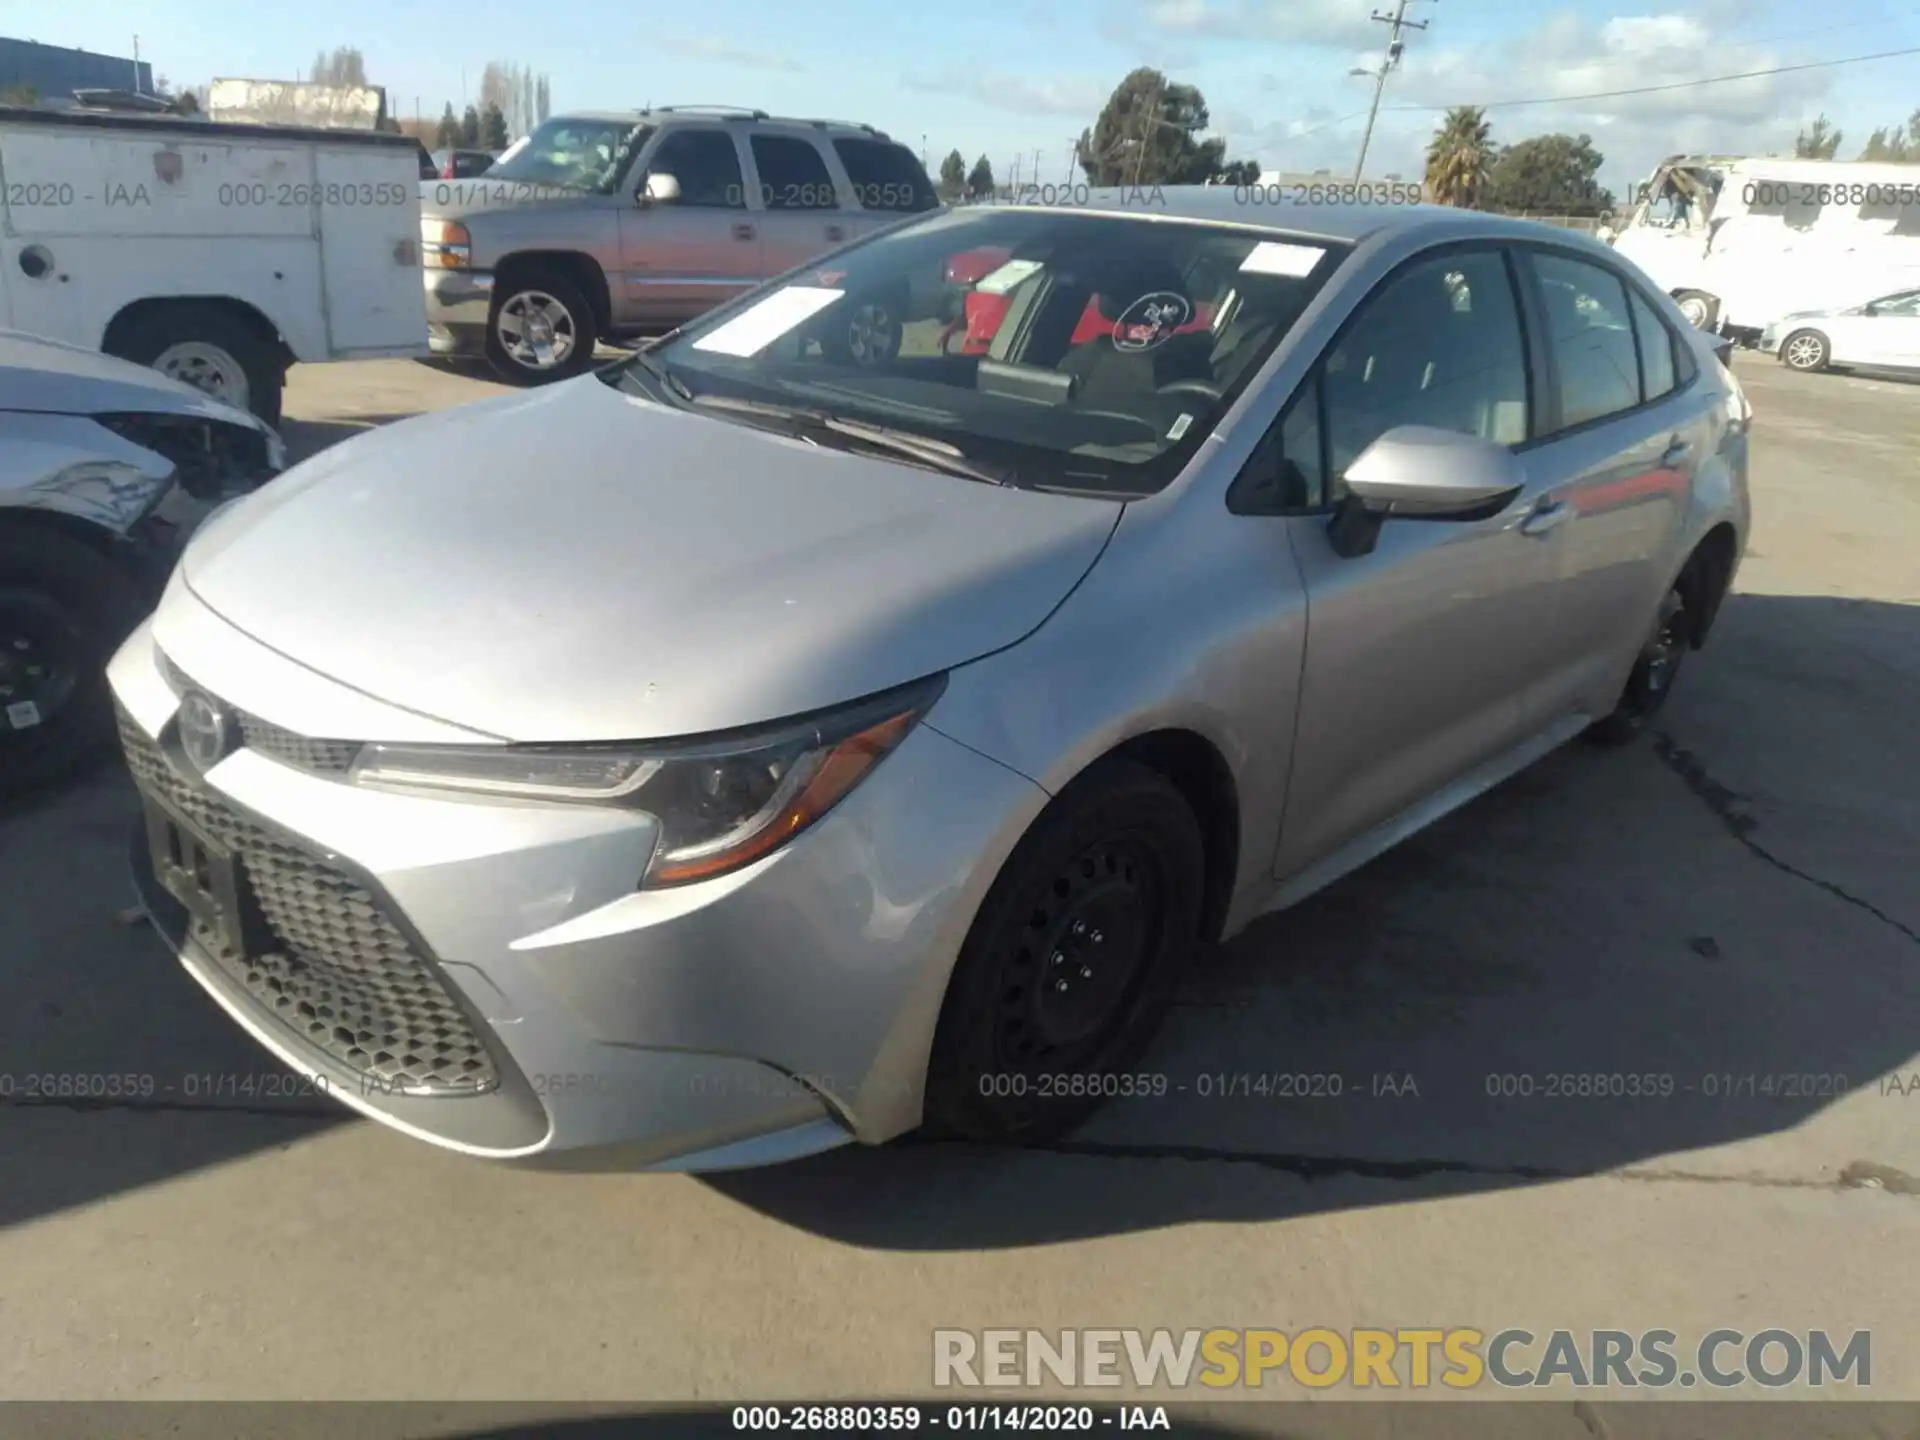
x=1418 y=654
x=681 y=257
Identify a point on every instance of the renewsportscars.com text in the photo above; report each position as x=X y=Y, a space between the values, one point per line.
x=1457 y=1358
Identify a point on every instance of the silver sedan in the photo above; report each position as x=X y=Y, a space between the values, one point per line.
x=825 y=724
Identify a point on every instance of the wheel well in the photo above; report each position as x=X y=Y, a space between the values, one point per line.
x=1705 y=577
x=1199 y=772
x=16 y=518
x=139 y=312
x=582 y=270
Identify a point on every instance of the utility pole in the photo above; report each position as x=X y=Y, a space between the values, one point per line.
x=136 y=64
x=1398 y=22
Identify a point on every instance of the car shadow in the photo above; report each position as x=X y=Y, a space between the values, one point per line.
x=307 y=438
x=1720 y=917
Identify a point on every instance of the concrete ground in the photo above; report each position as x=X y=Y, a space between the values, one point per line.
x=1735 y=898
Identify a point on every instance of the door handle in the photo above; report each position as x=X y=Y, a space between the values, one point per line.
x=743 y=232
x=1546 y=516
x=834 y=232
x=1676 y=451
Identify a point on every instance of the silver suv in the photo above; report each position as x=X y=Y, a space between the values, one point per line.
x=612 y=224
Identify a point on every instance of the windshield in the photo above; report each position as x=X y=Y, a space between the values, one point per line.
x=573 y=154
x=1072 y=351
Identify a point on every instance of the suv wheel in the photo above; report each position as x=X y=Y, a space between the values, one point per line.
x=541 y=329
x=868 y=334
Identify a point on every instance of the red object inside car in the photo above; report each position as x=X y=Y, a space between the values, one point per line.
x=985 y=312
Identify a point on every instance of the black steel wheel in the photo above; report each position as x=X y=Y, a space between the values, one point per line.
x=1071 y=963
x=64 y=607
x=1654 y=672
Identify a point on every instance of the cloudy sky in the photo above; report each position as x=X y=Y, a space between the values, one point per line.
x=1009 y=77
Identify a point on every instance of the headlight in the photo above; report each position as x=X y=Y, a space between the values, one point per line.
x=721 y=803
x=445 y=245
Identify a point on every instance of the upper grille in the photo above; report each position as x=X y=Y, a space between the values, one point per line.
x=343 y=977
x=276 y=742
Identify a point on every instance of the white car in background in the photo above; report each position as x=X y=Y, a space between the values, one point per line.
x=1883 y=334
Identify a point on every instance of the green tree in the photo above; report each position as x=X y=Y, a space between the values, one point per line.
x=1460 y=158
x=1548 y=175
x=953 y=177
x=1818 y=141
x=19 y=95
x=1895 y=144
x=1239 y=172
x=493 y=130
x=1148 y=133
x=470 y=129
x=980 y=179
x=448 y=135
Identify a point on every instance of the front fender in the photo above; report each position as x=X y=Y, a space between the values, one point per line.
x=68 y=465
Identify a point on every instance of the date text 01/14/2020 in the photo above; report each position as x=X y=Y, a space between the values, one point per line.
x=880 y=1419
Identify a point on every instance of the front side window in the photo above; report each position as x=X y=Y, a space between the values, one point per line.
x=573 y=154
x=706 y=166
x=792 y=174
x=1438 y=344
x=1904 y=306
x=1085 y=352
x=1590 y=337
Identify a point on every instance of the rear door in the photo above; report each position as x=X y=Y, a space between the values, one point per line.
x=681 y=258
x=1889 y=335
x=801 y=211
x=1627 y=423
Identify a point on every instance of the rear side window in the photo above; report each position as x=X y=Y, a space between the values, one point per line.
x=792 y=174
x=1590 y=336
x=886 y=176
x=1656 y=350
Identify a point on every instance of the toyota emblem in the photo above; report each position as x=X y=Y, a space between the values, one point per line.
x=203 y=730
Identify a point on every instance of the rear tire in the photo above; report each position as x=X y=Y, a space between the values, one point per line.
x=868 y=334
x=1655 y=670
x=1072 y=962
x=64 y=609
x=541 y=329
x=1700 y=308
x=1806 y=350
x=210 y=348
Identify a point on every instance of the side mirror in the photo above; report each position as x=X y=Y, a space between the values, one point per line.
x=660 y=190
x=1419 y=472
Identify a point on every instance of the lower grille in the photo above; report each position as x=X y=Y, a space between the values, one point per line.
x=342 y=976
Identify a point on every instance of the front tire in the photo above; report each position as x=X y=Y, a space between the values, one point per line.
x=1699 y=308
x=64 y=609
x=1072 y=962
x=1806 y=350
x=1654 y=672
x=541 y=329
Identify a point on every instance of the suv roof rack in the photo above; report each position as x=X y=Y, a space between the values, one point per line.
x=846 y=125
x=741 y=112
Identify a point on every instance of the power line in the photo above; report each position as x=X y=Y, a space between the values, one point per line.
x=1676 y=85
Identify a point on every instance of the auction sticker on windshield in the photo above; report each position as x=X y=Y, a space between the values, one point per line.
x=758 y=326
x=1278 y=257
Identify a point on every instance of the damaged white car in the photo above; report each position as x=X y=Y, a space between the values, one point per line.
x=104 y=465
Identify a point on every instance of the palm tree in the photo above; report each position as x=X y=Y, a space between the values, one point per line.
x=1460 y=157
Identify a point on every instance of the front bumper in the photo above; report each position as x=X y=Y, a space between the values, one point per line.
x=459 y=304
x=765 y=1015
x=1769 y=341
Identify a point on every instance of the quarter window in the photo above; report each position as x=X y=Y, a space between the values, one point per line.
x=1656 y=350
x=1590 y=336
x=886 y=176
x=792 y=174
x=705 y=164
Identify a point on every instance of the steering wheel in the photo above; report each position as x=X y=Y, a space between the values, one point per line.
x=1206 y=389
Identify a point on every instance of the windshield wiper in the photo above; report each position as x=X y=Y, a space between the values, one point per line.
x=935 y=454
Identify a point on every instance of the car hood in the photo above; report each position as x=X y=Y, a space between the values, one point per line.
x=58 y=379
x=577 y=564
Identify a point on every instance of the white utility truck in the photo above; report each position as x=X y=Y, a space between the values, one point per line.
x=1740 y=242
x=219 y=254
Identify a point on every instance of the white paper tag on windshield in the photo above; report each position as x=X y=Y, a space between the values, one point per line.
x=1278 y=257
x=758 y=326
x=23 y=715
x=1007 y=276
x=1180 y=427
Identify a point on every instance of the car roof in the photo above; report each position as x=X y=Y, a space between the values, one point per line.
x=738 y=114
x=1271 y=207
